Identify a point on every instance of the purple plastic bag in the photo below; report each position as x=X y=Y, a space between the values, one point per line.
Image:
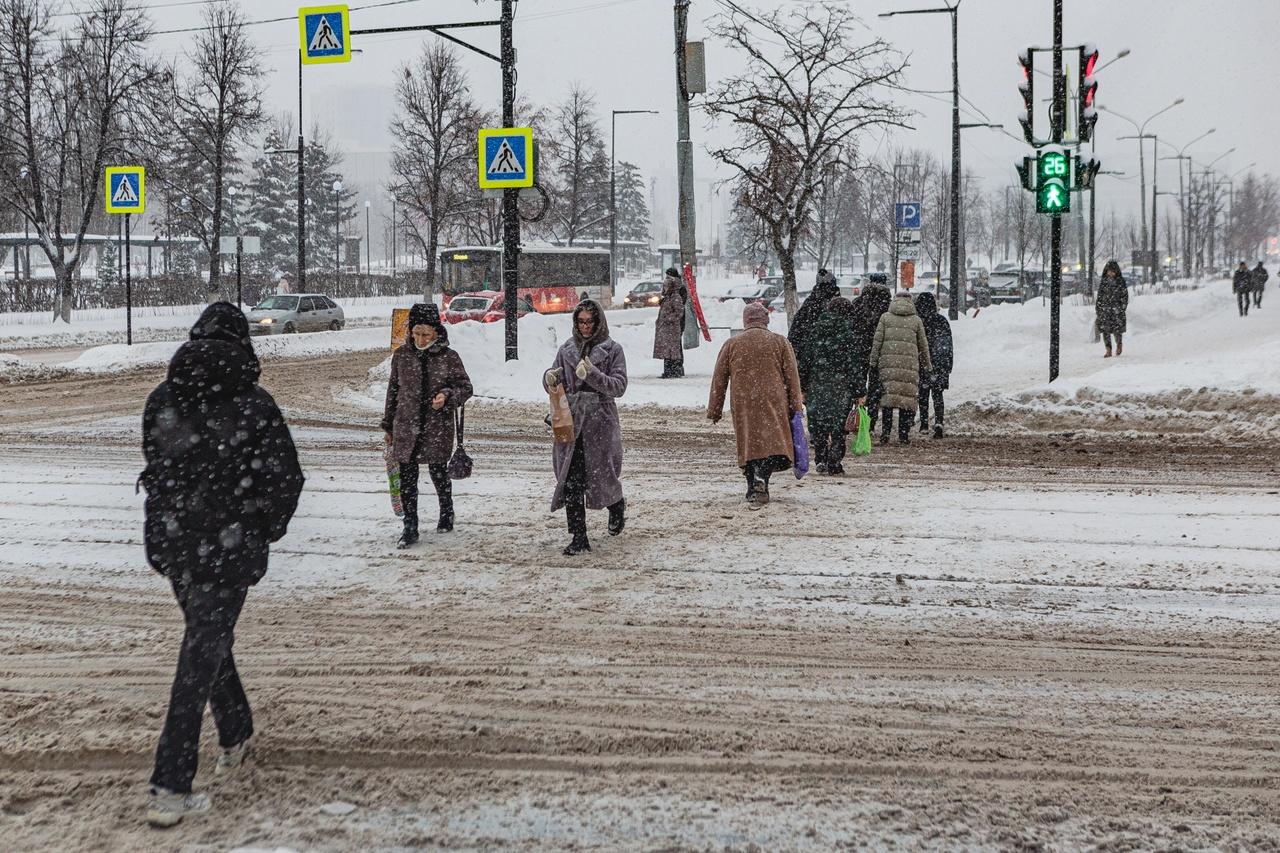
x=800 y=443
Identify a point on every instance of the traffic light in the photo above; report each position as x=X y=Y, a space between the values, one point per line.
x=1086 y=172
x=1053 y=181
x=1027 y=89
x=1026 y=173
x=1087 y=116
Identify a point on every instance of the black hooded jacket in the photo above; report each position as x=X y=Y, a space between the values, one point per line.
x=937 y=329
x=222 y=475
x=824 y=290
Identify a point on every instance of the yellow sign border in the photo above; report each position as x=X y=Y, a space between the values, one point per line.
x=505 y=184
x=345 y=56
x=141 y=172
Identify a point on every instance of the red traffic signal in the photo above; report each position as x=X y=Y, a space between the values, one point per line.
x=1087 y=116
x=1027 y=89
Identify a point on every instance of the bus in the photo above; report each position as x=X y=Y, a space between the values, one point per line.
x=553 y=279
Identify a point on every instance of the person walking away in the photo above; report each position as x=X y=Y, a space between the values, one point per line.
x=761 y=367
x=428 y=385
x=1112 y=307
x=937 y=330
x=868 y=309
x=222 y=483
x=668 y=332
x=1258 y=281
x=1242 y=286
x=593 y=369
x=834 y=380
x=801 y=327
x=900 y=353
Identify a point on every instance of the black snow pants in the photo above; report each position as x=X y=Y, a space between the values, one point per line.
x=939 y=407
x=827 y=447
x=1242 y=302
x=1257 y=297
x=206 y=675
x=905 y=418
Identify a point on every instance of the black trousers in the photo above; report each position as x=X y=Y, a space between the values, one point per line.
x=1257 y=297
x=939 y=407
x=206 y=675
x=439 y=474
x=575 y=494
x=1106 y=338
x=1242 y=302
x=827 y=447
x=906 y=417
x=758 y=471
x=672 y=368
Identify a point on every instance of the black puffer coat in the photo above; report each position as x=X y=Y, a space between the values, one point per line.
x=937 y=329
x=824 y=290
x=222 y=475
x=1112 y=303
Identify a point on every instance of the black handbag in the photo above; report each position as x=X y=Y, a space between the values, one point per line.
x=460 y=462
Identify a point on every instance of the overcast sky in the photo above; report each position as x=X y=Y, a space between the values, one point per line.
x=1223 y=57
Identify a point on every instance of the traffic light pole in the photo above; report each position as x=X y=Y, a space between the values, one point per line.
x=510 y=215
x=1055 y=231
x=684 y=146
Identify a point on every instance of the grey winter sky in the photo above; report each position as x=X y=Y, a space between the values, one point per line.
x=1222 y=57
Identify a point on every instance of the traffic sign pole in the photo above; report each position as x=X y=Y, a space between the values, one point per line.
x=510 y=214
x=128 y=287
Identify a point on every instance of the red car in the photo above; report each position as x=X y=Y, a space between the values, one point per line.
x=484 y=306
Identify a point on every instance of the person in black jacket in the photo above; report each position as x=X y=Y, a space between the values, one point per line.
x=1257 y=282
x=937 y=329
x=815 y=304
x=222 y=482
x=1241 y=286
x=1111 y=307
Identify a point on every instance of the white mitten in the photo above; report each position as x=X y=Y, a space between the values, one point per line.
x=582 y=369
x=552 y=377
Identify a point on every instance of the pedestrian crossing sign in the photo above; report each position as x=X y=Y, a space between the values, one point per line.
x=126 y=189
x=326 y=34
x=506 y=158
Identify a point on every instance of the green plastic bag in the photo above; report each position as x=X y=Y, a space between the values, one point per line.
x=860 y=444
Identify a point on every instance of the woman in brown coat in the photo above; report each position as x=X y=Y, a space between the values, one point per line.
x=668 y=331
x=766 y=393
x=428 y=385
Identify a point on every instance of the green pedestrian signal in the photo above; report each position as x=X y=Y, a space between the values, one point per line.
x=1053 y=182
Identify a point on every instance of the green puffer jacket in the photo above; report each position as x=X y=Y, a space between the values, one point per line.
x=831 y=373
x=900 y=351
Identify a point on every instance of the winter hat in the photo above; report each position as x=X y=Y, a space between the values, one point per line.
x=427 y=314
x=840 y=306
x=825 y=277
x=672 y=272
x=755 y=315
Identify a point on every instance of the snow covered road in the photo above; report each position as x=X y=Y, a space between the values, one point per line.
x=976 y=643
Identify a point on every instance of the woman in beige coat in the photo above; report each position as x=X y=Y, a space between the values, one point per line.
x=766 y=393
x=900 y=352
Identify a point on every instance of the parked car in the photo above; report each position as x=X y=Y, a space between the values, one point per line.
x=645 y=294
x=758 y=292
x=1013 y=286
x=295 y=312
x=483 y=306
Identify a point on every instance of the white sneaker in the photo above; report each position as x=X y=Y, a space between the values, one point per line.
x=167 y=808
x=232 y=758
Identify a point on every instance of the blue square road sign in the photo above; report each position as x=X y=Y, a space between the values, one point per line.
x=907 y=215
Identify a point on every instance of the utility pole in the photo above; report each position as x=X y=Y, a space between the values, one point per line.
x=510 y=215
x=1055 y=222
x=302 y=192
x=1155 y=218
x=957 y=263
x=684 y=145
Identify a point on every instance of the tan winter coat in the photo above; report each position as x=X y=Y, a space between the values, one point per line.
x=766 y=390
x=900 y=352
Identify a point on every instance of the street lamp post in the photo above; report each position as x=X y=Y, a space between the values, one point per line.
x=613 y=198
x=1182 y=197
x=956 y=269
x=1142 y=175
x=393 y=238
x=337 y=247
x=1213 y=226
x=368 y=269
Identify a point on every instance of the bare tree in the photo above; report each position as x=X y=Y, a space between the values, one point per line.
x=67 y=104
x=435 y=130
x=810 y=88
x=578 y=176
x=213 y=108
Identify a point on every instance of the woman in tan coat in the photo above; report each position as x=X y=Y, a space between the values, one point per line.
x=766 y=392
x=900 y=353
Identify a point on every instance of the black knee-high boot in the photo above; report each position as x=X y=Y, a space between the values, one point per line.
x=444 y=491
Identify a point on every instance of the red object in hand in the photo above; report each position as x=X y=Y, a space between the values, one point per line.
x=851 y=423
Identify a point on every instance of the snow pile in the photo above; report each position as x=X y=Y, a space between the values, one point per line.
x=16 y=369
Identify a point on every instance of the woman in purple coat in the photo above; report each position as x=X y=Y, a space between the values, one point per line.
x=593 y=368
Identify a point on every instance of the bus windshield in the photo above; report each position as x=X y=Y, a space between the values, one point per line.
x=470 y=271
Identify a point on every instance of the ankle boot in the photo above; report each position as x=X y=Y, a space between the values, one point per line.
x=617 y=517
x=576 y=514
x=445 y=524
x=410 y=533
